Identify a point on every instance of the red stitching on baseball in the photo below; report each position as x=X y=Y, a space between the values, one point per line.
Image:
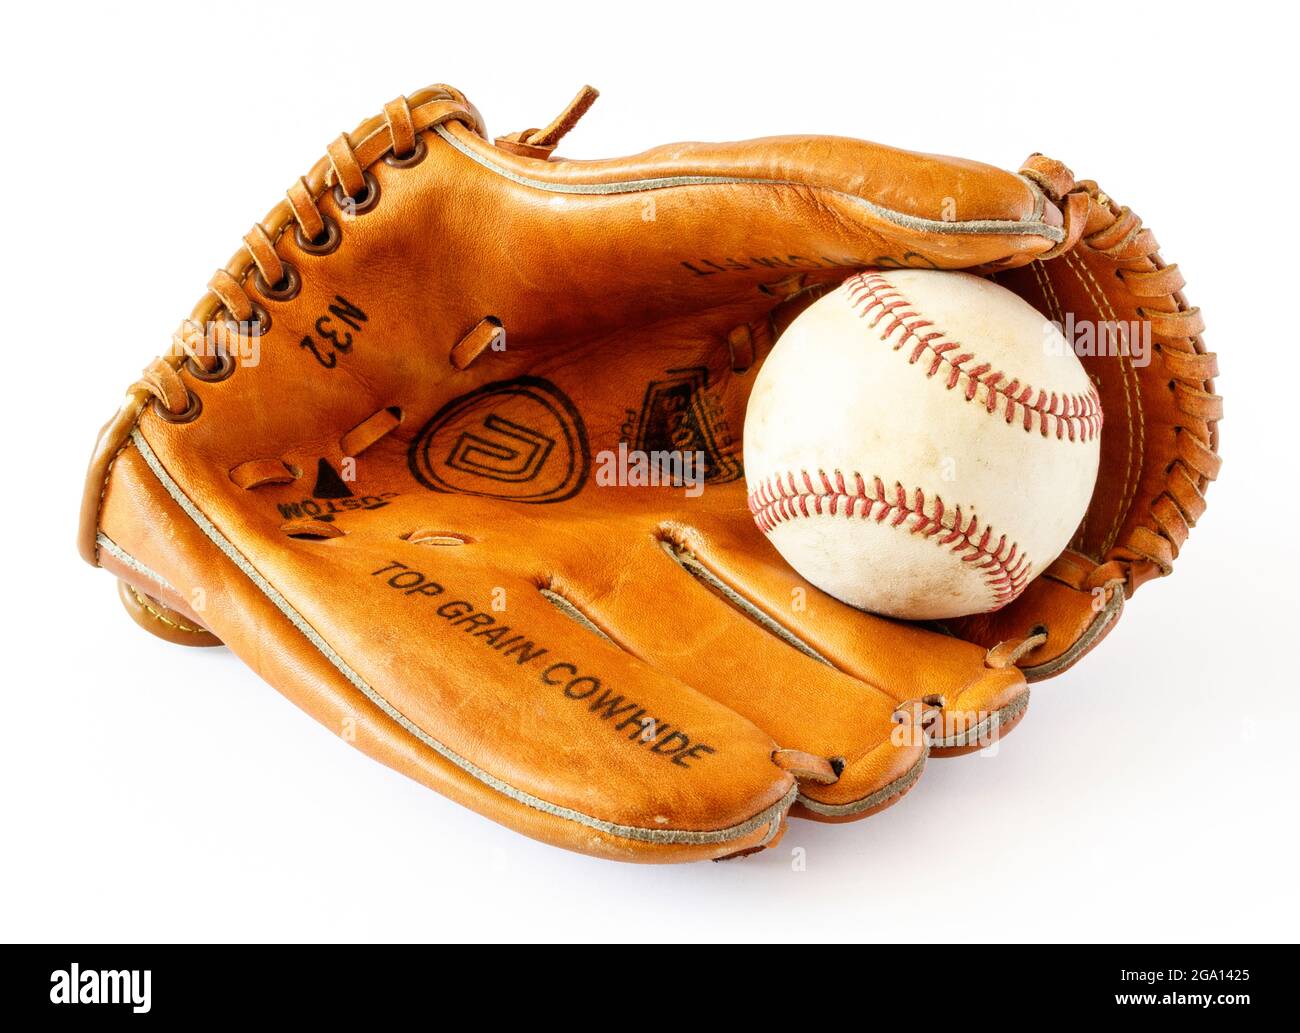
x=1076 y=416
x=781 y=498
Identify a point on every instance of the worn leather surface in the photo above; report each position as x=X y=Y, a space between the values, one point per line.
x=394 y=508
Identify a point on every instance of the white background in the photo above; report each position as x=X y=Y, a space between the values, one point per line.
x=156 y=792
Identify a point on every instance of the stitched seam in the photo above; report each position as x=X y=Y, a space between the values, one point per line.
x=1074 y=416
x=797 y=494
x=1132 y=403
x=1048 y=291
x=161 y=618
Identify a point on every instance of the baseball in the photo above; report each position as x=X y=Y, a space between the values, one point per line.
x=921 y=444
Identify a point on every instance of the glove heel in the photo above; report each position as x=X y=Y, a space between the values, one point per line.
x=163 y=621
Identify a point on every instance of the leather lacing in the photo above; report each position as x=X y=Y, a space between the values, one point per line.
x=1094 y=221
x=230 y=313
x=233 y=310
x=205 y=343
x=541 y=143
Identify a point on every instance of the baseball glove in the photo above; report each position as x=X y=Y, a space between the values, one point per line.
x=449 y=453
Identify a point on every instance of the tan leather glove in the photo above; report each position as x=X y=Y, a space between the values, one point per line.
x=378 y=466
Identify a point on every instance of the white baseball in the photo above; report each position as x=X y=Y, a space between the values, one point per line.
x=921 y=444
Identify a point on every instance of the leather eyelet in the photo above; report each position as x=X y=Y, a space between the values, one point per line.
x=323 y=245
x=263 y=319
x=414 y=158
x=224 y=368
x=358 y=205
x=191 y=411
x=285 y=290
x=260 y=316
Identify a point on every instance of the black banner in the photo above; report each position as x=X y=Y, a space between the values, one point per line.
x=143 y=985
